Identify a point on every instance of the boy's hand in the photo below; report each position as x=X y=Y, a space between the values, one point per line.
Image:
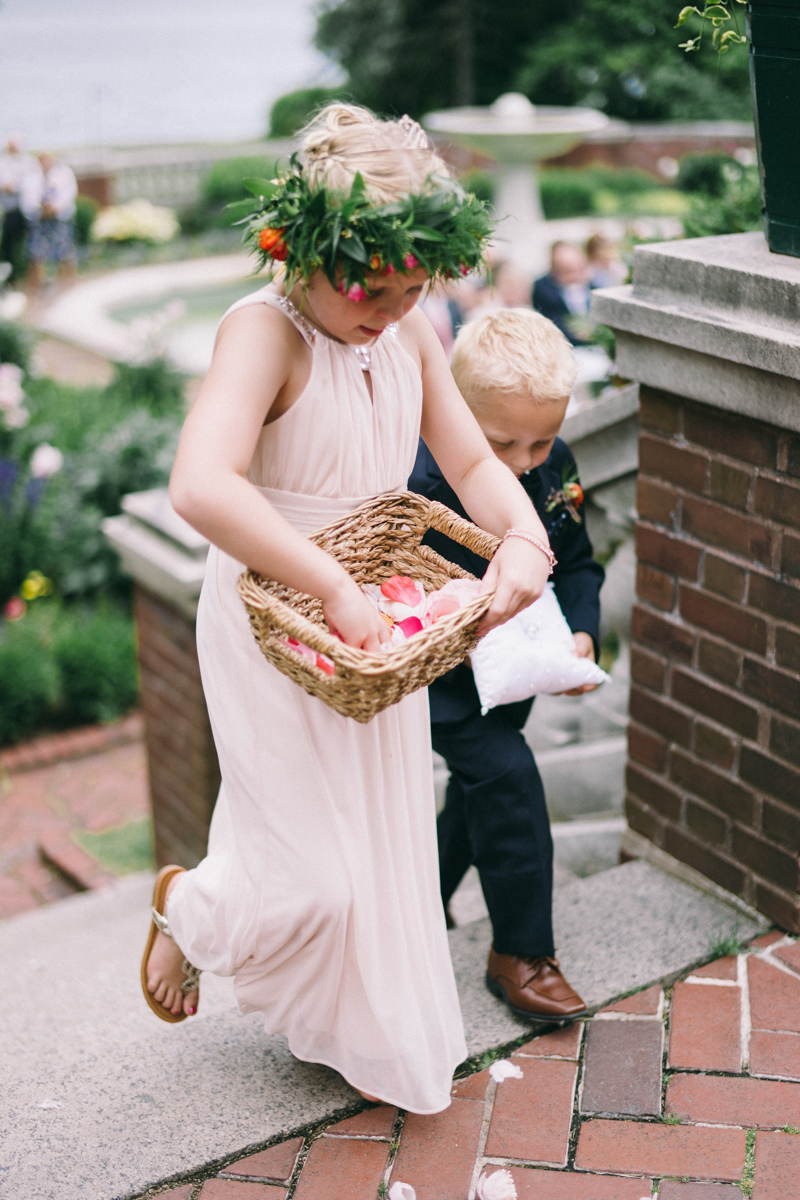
x=519 y=572
x=584 y=648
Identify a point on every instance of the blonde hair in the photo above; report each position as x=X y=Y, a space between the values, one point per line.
x=514 y=350
x=394 y=158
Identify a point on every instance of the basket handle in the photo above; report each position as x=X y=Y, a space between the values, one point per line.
x=443 y=519
x=286 y=618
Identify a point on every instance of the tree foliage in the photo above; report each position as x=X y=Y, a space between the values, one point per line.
x=624 y=58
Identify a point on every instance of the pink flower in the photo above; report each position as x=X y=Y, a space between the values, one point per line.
x=355 y=293
x=15 y=609
x=409 y=262
x=388 y=269
x=463 y=269
x=301 y=649
x=402 y=590
x=410 y=626
x=325 y=664
x=442 y=606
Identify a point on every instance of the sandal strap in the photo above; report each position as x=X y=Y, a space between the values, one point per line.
x=192 y=974
x=192 y=979
x=161 y=923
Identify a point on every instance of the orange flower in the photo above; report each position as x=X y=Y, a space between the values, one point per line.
x=574 y=492
x=375 y=262
x=272 y=241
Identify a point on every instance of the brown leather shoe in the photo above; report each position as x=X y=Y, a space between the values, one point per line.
x=533 y=987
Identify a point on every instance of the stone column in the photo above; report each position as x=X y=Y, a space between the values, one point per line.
x=166 y=558
x=709 y=328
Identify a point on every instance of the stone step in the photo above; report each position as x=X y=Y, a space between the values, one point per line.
x=102 y=1100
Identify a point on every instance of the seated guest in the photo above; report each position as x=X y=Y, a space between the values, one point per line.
x=605 y=268
x=563 y=294
x=515 y=370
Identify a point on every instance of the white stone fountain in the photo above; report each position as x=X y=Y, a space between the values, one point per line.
x=517 y=136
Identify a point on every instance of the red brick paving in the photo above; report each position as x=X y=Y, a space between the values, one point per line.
x=775 y=1054
x=672 y=1190
x=705 y=1027
x=273 y=1165
x=473 y=1087
x=101 y=782
x=723 y=968
x=564 y=1043
x=655 y=1149
x=790 y=955
x=336 y=1168
x=777 y=1166
x=767 y=939
x=754 y=1103
x=562 y=1185
x=774 y=997
x=373 y=1122
x=531 y=1116
x=234 y=1189
x=644 y=1004
x=437 y=1154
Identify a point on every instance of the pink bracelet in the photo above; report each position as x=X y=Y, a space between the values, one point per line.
x=534 y=541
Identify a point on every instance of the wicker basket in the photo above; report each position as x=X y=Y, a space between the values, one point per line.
x=377 y=540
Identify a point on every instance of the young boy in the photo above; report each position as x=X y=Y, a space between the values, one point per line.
x=515 y=370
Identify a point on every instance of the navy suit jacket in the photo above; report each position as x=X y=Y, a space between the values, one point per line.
x=549 y=301
x=577 y=578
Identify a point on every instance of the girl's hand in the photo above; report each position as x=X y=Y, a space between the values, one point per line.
x=350 y=614
x=584 y=648
x=519 y=571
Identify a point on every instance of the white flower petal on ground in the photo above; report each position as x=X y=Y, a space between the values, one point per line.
x=46 y=461
x=402 y=1191
x=11 y=392
x=51 y=1104
x=503 y=1069
x=497 y=1186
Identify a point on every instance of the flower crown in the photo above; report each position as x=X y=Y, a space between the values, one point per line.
x=443 y=229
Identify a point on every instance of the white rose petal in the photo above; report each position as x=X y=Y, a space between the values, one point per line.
x=46 y=461
x=503 y=1069
x=51 y=1104
x=498 y=1186
x=402 y=1191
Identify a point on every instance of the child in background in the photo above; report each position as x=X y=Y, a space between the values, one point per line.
x=515 y=370
x=319 y=892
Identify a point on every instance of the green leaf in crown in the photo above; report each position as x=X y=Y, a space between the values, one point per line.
x=445 y=230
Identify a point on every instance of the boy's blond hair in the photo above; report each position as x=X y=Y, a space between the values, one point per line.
x=394 y=158
x=514 y=350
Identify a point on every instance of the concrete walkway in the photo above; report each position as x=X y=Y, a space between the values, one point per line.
x=103 y=1101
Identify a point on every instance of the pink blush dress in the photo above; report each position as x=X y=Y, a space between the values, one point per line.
x=320 y=890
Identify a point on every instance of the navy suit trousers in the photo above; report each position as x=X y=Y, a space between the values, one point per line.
x=495 y=817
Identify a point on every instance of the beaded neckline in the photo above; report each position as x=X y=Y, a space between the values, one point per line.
x=362 y=353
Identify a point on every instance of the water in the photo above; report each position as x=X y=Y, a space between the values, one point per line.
x=128 y=72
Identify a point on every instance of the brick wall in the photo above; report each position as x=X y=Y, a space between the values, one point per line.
x=182 y=761
x=714 y=741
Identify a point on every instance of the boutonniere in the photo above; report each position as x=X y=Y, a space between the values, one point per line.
x=569 y=496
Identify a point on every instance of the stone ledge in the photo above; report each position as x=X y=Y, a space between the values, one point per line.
x=715 y=319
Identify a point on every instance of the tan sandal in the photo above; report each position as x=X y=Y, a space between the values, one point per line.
x=158 y=925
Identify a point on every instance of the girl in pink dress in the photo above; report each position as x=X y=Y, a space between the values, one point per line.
x=320 y=890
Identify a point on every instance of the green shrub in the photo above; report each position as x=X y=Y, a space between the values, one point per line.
x=86 y=210
x=155 y=386
x=481 y=184
x=737 y=210
x=29 y=681
x=62 y=666
x=589 y=191
x=15 y=344
x=705 y=173
x=95 y=652
x=290 y=112
x=224 y=185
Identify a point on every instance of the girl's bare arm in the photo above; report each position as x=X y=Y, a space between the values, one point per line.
x=488 y=490
x=259 y=359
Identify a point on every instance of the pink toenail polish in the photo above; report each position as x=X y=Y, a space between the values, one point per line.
x=192 y=1011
